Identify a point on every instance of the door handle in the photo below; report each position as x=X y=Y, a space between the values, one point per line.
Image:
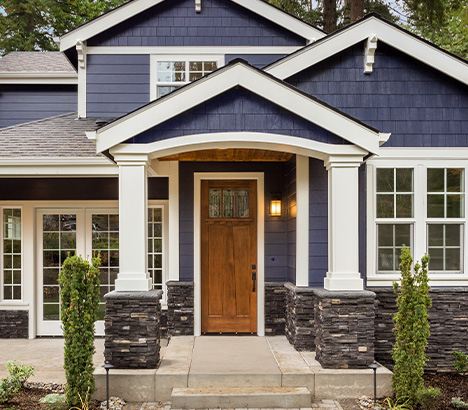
x=254 y=278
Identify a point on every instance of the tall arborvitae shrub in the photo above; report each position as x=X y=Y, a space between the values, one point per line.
x=411 y=328
x=79 y=292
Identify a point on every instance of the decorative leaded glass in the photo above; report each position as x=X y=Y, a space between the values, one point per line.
x=243 y=203
x=215 y=203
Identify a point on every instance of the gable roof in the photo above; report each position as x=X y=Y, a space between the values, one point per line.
x=134 y=7
x=239 y=74
x=370 y=26
x=55 y=137
x=36 y=67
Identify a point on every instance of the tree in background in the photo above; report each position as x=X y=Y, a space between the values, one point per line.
x=31 y=25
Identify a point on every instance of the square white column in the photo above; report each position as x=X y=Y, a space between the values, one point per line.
x=133 y=223
x=343 y=224
x=302 y=221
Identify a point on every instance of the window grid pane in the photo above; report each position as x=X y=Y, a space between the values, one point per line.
x=445 y=244
x=59 y=240
x=12 y=257
x=445 y=193
x=105 y=237
x=395 y=191
x=155 y=248
x=390 y=241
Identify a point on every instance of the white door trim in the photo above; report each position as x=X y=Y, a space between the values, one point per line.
x=259 y=177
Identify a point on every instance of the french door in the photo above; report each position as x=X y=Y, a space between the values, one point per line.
x=61 y=232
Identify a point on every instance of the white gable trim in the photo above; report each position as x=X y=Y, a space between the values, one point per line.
x=223 y=80
x=135 y=7
x=38 y=78
x=241 y=140
x=360 y=31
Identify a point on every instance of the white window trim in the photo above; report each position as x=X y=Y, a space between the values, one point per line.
x=420 y=219
x=3 y=301
x=155 y=58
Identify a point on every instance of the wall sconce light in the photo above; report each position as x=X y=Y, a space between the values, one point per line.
x=275 y=207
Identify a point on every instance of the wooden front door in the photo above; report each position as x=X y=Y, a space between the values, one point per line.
x=229 y=256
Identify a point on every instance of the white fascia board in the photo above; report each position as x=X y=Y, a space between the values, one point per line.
x=57 y=166
x=185 y=50
x=241 y=140
x=282 y=19
x=135 y=7
x=385 y=32
x=38 y=78
x=429 y=153
x=238 y=74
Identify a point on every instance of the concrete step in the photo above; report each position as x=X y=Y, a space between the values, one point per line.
x=240 y=397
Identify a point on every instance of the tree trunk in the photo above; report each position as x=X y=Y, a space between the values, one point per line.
x=357 y=10
x=329 y=15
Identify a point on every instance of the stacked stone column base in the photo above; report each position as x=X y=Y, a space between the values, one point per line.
x=132 y=326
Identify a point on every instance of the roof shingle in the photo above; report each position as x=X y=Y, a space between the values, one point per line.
x=54 y=137
x=35 y=62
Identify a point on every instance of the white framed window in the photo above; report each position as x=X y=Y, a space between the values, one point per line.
x=172 y=71
x=430 y=215
x=445 y=219
x=12 y=254
x=157 y=246
x=394 y=212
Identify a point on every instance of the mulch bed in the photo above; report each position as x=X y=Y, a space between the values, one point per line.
x=28 y=399
x=450 y=384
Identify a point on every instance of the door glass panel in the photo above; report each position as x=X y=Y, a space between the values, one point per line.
x=229 y=201
x=243 y=203
x=59 y=240
x=155 y=246
x=215 y=203
x=106 y=241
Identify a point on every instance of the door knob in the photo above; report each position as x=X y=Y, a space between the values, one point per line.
x=254 y=278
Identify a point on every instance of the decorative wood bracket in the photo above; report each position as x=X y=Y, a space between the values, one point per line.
x=198 y=6
x=369 y=53
x=81 y=50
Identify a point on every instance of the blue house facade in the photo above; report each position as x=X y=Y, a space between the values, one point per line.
x=263 y=174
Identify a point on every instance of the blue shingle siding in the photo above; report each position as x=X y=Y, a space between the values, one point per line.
x=290 y=206
x=257 y=60
x=175 y=23
x=275 y=227
x=237 y=110
x=420 y=106
x=24 y=103
x=318 y=222
x=116 y=84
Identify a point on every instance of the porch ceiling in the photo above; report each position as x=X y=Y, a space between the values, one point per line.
x=230 y=155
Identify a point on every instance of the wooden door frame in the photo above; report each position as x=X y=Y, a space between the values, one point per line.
x=256 y=176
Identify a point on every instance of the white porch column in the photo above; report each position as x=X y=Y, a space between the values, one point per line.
x=133 y=223
x=302 y=221
x=343 y=224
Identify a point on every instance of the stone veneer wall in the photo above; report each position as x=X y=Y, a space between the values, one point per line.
x=180 y=308
x=14 y=324
x=300 y=317
x=448 y=320
x=275 y=309
x=132 y=328
x=344 y=323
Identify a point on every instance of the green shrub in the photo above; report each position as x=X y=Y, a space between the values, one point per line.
x=17 y=375
x=429 y=398
x=460 y=362
x=397 y=404
x=79 y=291
x=411 y=328
x=458 y=403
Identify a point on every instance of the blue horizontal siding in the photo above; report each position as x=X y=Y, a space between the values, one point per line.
x=276 y=255
x=176 y=23
x=234 y=111
x=24 y=103
x=116 y=84
x=257 y=60
x=420 y=106
x=291 y=209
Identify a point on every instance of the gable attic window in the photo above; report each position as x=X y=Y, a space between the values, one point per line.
x=172 y=72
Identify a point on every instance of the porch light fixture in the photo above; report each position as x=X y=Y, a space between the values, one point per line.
x=275 y=207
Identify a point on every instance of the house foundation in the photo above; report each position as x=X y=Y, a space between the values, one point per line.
x=14 y=324
x=180 y=309
x=132 y=324
x=275 y=309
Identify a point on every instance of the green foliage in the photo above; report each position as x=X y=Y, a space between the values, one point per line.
x=84 y=403
x=79 y=291
x=30 y=25
x=429 y=398
x=411 y=328
x=458 y=403
x=17 y=375
x=460 y=362
x=397 y=404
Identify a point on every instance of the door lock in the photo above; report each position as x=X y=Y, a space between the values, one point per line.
x=254 y=278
